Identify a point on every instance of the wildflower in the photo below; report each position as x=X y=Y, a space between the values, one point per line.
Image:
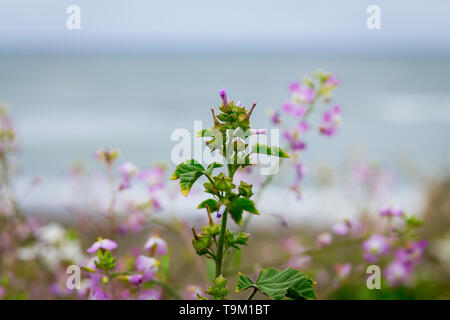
x=223 y=95
x=302 y=93
x=397 y=272
x=294 y=109
x=258 y=131
x=105 y=244
x=342 y=228
x=97 y=293
x=391 y=211
x=294 y=141
x=413 y=253
x=331 y=120
x=136 y=279
x=156 y=245
x=107 y=156
x=374 y=247
x=148 y=265
x=324 y=239
x=192 y=292
x=127 y=170
x=331 y=82
x=343 y=270
x=152 y=177
x=220 y=212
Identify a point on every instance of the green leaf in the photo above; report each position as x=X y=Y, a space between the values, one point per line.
x=188 y=172
x=237 y=207
x=212 y=204
x=273 y=151
x=223 y=183
x=245 y=189
x=277 y=284
x=212 y=166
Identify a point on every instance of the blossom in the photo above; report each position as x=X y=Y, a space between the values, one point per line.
x=258 y=131
x=391 y=211
x=107 y=156
x=374 y=247
x=275 y=118
x=342 y=228
x=294 y=142
x=331 y=82
x=148 y=265
x=152 y=177
x=156 y=245
x=220 y=212
x=397 y=272
x=343 y=270
x=105 y=244
x=97 y=293
x=412 y=253
x=136 y=279
x=302 y=93
x=331 y=120
x=223 y=95
x=294 y=109
x=191 y=292
x=324 y=239
x=127 y=170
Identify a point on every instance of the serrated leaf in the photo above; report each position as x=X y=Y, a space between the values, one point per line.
x=277 y=284
x=237 y=207
x=212 y=166
x=272 y=151
x=212 y=204
x=188 y=172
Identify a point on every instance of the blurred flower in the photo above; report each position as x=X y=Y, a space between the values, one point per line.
x=391 y=211
x=191 y=292
x=413 y=253
x=397 y=272
x=127 y=170
x=136 y=279
x=294 y=109
x=258 y=131
x=156 y=245
x=293 y=139
x=152 y=177
x=324 y=239
x=148 y=265
x=51 y=233
x=331 y=120
x=343 y=270
x=107 y=156
x=342 y=228
x=302 y=93
x=374 y=247
x=102 y=244
x=331 y=82
x=97 y=293
x=223 y=95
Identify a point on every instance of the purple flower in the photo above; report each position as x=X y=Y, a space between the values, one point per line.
x=105 y=244
x=127 y=170
x=391 y=211
x=148 y=265
x=302 y=93
x=374 y=247
x=275 y=117
x=220 y=212
x=331 y=121
x=97 y=293
x=342 y=228
x=156 y=245
x=343 y=270
x=136 y=279
x=258 y=131
x=397 y=272
x=413 y=253
x=223 y=95
x=294 y=141
x=331 y=82
x=294 y=109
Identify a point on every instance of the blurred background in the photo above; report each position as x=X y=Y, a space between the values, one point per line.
x=137 y=70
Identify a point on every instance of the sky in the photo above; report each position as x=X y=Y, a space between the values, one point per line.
x=413 y=26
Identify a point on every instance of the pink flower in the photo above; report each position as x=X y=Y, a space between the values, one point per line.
x=302 y=93
x=136 y=279
x=258 y=131
x=343 y=270
x=398 y=272
x=331 y=82
x=191 y=292
x=153 y=178
x=223 y=95
x=294 y=141
x=294 y=109
x=97 y=293
x=275 y=118
x=156 y=245
x=127 y=170
x=374 y=247
x=413 y=253
x=148 y=265
x=105 y=244
x=391 y=211
x=342 y=228
x=331 y=121
x=324 y=239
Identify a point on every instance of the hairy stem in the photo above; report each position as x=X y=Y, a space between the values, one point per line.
x=219 y=258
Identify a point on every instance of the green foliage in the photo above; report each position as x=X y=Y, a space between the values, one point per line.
x=277 y=285
x=273 y=151
x=237 y=207
x=188 y=172
x=106 y=261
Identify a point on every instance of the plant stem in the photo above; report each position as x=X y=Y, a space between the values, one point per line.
x=250 y=297
x=219 y=258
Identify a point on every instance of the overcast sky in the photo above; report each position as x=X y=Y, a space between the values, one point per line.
x=249 y=25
